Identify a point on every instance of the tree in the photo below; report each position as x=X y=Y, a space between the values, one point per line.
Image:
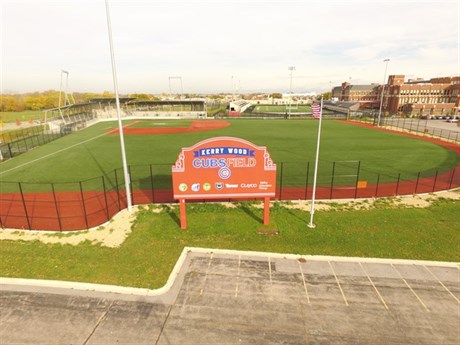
x=326 y=95
x=276 y=95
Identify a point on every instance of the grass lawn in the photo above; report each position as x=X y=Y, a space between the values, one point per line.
x=23 y=116
x=91 y=152
x=147 y=257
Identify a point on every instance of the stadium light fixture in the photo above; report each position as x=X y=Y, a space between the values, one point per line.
x=291 y=68
x=383 y=89
x=120 y=126
x=65 y=92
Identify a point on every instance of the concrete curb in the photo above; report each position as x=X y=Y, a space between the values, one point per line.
x=183 y=256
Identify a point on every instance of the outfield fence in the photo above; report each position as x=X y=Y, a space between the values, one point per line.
x=424 y=127
x=90 y=203
x=20 y=141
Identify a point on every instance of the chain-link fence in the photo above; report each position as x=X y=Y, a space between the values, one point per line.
x=92 y=202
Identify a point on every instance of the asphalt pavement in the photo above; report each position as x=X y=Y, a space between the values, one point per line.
x=223 y=297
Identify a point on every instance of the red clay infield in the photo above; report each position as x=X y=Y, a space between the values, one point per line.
x=65 y=211
x=195 y=126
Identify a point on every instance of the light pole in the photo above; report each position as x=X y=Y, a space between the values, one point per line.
x=291 y=68
x=120 y=125
x=383 y=89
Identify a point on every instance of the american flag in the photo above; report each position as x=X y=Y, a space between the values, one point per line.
x=316 y=110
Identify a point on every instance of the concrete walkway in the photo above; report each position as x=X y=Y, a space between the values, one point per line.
x=222 y=297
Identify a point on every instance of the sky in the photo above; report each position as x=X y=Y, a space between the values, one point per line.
x=224 y=46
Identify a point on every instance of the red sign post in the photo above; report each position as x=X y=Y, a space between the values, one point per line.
x=224 y=168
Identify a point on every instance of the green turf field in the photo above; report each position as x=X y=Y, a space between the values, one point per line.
x=92 y=152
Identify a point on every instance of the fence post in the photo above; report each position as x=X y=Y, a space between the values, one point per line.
x=57 y=207
x=84 y=206
x=24 y=204
x=9 y=149
x=332 y=179
x=131 y=185
x=416 y=183
x=105 y=198
x=397 y=184
x=357 y=179
x=151 y=183
x=118 y=190
x=418 y=125
x=306 y=180
x=435 y=179
x=281 y=180
x=452 y=178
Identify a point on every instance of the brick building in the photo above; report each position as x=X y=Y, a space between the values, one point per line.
x=366 y=95
x=436 y=96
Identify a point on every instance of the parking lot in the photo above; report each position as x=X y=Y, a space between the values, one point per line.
x=436 y=127
x=239 y=298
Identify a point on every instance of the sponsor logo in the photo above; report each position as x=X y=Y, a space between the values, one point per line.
x=229 y=185
x=248 y=185
x=219 y=185
x=206 y=187
x=182 y=187
x=264 y=185
x=196 y=187
x=225 y=173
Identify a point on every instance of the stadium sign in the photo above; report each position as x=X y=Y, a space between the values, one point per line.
x=223 y=168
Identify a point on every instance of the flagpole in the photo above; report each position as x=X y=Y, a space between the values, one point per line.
x=117 y=101
x=312 y=210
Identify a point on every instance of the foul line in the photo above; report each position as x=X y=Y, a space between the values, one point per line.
x=49 y=155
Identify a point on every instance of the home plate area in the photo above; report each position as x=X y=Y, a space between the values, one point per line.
x=229 y=299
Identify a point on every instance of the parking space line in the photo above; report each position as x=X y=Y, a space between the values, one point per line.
x=445 y=287
x=375 y=288
x=270 y=274
x=206 y=275
x=338 y=283
x=407 y=284
x=238 y=276
x=304 y=283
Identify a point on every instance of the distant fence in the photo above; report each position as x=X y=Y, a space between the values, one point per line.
x=16 y=142
x=424 y=127
x=89 y=203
